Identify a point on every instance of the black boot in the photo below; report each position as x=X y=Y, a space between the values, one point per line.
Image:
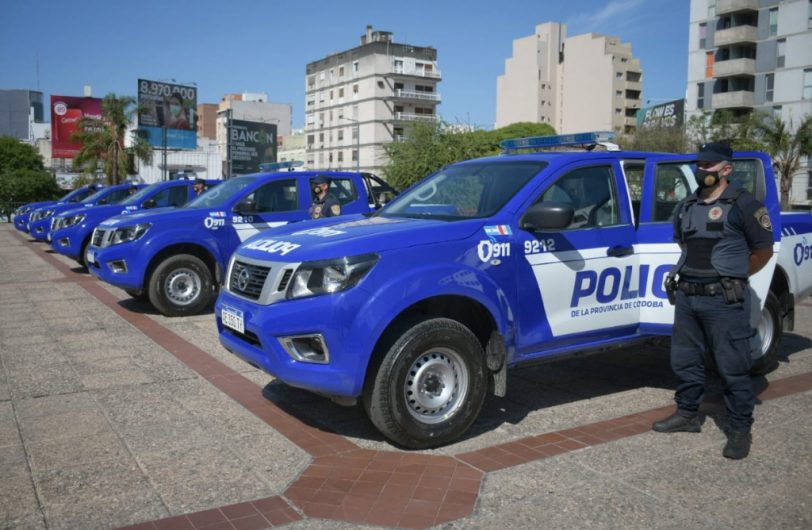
x=738 y=445
x=677 y=423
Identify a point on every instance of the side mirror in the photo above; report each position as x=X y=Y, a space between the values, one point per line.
x=547 y=216
x=149 y=203
x=244 y=207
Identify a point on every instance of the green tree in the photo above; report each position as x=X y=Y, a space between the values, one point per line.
x=787 y=145
x=740 y=132
x=22 y=177
x=656 y=139
x=103 y=140
x=429 y=146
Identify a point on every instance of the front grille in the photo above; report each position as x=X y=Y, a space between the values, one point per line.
x=247 y=279
x=283 y=283
x=249 y=337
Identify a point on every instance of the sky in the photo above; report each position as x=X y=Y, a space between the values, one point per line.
x=235 y=46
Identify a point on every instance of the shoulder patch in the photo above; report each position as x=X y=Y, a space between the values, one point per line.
x=763 y=218
x=336 y=210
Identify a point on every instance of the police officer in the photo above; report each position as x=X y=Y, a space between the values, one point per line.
x=199 y=186
x=324 y=203
x=726 y=236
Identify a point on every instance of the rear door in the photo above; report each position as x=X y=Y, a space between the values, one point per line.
x=576 y=286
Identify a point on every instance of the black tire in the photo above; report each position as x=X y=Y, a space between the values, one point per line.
x=770 y=329
x=82 y=260
x=180 y=285
x=405 y=395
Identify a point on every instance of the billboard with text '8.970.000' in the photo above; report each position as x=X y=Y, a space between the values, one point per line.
x=168 y=109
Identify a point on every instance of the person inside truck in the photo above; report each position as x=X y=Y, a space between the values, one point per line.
x=324 y=203
x=199 y=186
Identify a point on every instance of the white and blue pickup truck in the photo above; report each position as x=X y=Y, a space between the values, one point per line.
x=420 y=308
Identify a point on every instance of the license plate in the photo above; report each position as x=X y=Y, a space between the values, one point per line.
x=90 y=256
x=232 y=318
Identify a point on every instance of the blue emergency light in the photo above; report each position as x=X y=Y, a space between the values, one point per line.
x=561 y=140
x=279 y=166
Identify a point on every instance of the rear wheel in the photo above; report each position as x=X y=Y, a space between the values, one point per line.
x=770 y=328
x=429 y=386
x=181 y=285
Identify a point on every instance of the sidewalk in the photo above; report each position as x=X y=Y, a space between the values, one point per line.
x=112 y=415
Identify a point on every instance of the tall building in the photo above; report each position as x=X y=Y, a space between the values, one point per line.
x=19 y=111
x=207 y=120
x=746 y=55
x=358 y=100
x=583 y=83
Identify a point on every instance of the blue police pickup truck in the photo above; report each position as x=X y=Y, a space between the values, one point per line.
x=176 y=257
x=39 y=224
x=71 y=230
x=485 y=265
x=23 y=213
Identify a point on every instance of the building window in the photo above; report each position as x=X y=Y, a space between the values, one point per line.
x=355 y=155
x=380 y=84
x=355 y=67
x=355 y=88
x=781 y=52
x=777 y=111
x=807 y=83
x=340 y=92
x=700 y=96
x=321 y=138
x=711 y=8
x=340 y=71
x=709 y=65
x=310 y=140
x=769 y=81
x=809 y=16
x=773 y=21
x=619 y=75
x=341 y=156
x=703 y=35
x=340 y=135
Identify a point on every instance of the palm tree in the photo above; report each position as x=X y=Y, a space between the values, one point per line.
x=786 y=148
x=103 y=140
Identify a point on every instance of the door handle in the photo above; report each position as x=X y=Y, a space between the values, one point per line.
x=619 y=251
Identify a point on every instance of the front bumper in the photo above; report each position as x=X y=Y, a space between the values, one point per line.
x=21 y=222
x=68 y=241
x=40 y=228
x=332 y=316
x=103 y=260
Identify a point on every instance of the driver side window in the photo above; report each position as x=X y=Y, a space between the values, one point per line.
x=276 y=196
x=591 y=193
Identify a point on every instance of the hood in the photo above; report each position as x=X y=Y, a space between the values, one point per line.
x=97 y=212
x=156 y=215
x=353 y=235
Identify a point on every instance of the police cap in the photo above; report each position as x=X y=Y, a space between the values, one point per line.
x=200 y=181
x=714 y=152
x=321 y=179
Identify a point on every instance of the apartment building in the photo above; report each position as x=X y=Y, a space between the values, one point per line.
x=746 y=55
x=582 y=83
x=358 y=100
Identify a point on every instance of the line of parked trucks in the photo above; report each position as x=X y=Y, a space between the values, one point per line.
x=418 y=308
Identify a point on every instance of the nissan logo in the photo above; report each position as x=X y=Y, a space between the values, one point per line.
x=242 y=279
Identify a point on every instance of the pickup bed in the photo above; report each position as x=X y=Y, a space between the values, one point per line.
x=176 y=257
x=488 y=264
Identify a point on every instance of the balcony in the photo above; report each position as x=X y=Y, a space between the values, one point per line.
x=725 y=7
x=415 y=95
x=630 y=122
x=729 y=100
x=634 y=85
x=402 y=116
x=726 y=37
x=734 y=67
x=416 y=72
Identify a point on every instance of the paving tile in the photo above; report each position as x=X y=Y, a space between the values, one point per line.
x=69 y=425
x=9 y=434
x=56 y=453
x=44 y=380
x=82 y=402
x=92 y=482
x=17 y=499
x=272 y=458
x=102 y=513
x=147 y=438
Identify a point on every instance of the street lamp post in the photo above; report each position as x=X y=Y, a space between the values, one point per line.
x=357 y=142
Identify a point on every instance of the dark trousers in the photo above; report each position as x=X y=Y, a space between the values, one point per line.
x=707 y=323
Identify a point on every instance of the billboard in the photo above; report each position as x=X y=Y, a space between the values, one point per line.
x=670 y=114
x=249 y=145
x=66 y=111
x=167 y=114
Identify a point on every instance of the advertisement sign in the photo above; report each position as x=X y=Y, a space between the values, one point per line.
x=250 y=144
x=66 y=111
x=167 y=114
x=668 y=114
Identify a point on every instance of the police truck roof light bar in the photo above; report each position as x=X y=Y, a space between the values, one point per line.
x=279 y=166
x=561 y=140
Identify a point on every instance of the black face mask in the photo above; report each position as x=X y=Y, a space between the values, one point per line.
x=707 y=179
x=316 y=189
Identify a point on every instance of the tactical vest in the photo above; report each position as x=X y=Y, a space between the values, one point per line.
x=713 y=247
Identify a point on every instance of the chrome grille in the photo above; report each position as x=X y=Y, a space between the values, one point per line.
x=247 y=279
x=283 y=283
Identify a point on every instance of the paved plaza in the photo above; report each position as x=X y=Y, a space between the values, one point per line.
x=112 y=416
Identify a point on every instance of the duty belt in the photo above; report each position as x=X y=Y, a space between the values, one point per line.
x=700 y=289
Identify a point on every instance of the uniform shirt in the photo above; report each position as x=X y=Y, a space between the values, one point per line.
x=718 y=237
x=326 y=207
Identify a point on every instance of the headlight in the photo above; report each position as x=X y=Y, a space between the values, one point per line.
x=45 y=214
x=329 y=276
x=129 y=233
x=64 y=222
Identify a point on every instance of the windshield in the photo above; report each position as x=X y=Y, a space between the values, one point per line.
x=465 y=191
x=98 y=195
x=140 y=194
x=219 y=195
x=76 y=195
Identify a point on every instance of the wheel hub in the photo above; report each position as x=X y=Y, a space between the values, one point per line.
x=182 y=286
x=765 y=329
x=436 y=385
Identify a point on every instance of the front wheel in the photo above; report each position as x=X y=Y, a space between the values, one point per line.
x=770 y=328
x=429 y=386
x=181 y=285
